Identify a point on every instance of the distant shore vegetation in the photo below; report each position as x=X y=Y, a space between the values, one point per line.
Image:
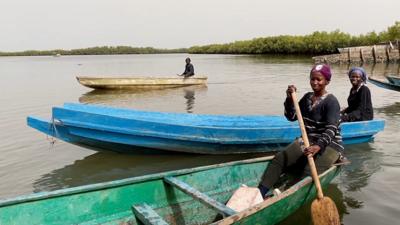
x=317 y=43
x=104 y=50
x=313 y=44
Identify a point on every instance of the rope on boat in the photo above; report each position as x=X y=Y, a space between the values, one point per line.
x=53 y=138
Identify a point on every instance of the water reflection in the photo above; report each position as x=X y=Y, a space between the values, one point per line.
x=385 y=69
x=303 y=215
x=136 y=96
x=376 y=70
x=365 y=162
x=392 y=110
x=189 y=96
x=274 y=59
x=104 y=166
x=107 y=96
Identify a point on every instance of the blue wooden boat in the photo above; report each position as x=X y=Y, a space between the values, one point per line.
x=383 y=84
x=393 y=80
x=191 y=196
x=126 y=130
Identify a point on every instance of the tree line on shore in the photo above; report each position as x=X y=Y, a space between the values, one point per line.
x=103 y=50
x=316 y=43
x=313 y=44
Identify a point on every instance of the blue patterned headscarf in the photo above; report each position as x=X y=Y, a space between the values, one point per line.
x=360 y=71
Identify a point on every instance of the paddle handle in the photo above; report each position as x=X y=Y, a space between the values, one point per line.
x=310 y=158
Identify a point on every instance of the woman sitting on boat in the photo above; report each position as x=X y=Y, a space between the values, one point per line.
x=359 y=100
x=321 y=113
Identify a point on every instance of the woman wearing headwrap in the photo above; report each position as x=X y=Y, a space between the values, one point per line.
x=321 y=114
x=359 y=100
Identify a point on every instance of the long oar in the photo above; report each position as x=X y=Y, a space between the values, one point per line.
x=323 y=209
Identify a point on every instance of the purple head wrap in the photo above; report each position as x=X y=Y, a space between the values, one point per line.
x=324 y=69
x=360 y=71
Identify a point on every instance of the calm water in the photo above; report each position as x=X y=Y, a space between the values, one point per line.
x=366 y=192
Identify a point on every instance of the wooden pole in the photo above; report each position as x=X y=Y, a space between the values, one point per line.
x=398 y=48
x=349 y=55
x=374 y=53
x=361 y=55
x=387 y=54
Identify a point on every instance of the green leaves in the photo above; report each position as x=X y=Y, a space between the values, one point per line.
x=319 y=42
x=103 y=50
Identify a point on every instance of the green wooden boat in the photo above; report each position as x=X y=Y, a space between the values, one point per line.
x=188 y=196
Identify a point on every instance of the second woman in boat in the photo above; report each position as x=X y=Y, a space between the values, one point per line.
x=321 y=114
x=359 y=100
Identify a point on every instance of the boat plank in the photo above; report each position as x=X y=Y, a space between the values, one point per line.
x=224 y=210
x=147 y=215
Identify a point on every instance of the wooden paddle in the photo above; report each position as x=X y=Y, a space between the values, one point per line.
x=323 y=209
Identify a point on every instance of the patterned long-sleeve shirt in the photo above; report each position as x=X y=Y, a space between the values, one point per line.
x=321 y=120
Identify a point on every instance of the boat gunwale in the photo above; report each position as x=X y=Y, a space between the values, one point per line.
x=393 y=79
x=84 y=108
x=180 y=137
x=208 y=140
x=292 y=190
x=71 y=106
x=385 y=85
x=149 y=133
x=198 y=77
x=139 y=82
x=288 y=125
x=123 y=182
x=275 y=127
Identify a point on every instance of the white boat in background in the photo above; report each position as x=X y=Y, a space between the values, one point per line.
x=139 y=82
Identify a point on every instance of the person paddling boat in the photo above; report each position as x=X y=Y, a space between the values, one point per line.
x=321 y=113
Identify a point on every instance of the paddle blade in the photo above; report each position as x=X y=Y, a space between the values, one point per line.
x=324 y=212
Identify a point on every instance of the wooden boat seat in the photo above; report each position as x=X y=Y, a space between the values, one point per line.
x=205 y=199
x=147 y=215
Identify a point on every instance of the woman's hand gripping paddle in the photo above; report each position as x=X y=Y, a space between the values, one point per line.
x=323 y=209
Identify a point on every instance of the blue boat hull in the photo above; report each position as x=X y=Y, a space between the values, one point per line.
x=109 y=141
x=393 y=80
x=386 y=85
x=125 y=130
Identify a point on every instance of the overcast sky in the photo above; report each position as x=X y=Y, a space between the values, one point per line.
x=68 y=24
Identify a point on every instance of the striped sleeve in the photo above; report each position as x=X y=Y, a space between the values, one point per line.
x=332 y=108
